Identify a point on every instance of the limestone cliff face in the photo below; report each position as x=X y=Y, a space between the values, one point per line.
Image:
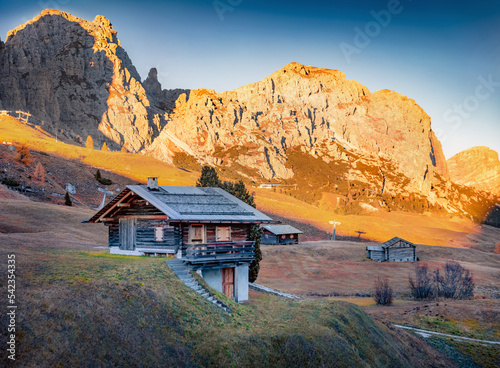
x=476 y=167
x=162 y=99
x=311 y=109
x=74 y=74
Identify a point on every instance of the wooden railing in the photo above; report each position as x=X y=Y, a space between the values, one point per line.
x=221 y=251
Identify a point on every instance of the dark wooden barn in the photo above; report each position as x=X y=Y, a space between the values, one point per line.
x=280 y=234
x=208 y=228
x=394 y=250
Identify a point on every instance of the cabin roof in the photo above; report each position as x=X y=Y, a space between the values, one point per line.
x=394 y=240
x=191 y=204
x=374 y=248
x=282 y=229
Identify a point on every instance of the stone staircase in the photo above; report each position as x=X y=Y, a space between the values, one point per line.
x=183 y=273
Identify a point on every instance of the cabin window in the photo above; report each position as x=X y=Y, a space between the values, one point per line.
x=223 y=233
x=196 y=234
x=159 y=233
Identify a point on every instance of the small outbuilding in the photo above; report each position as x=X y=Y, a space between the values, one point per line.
x=394 y=250
x=280 y=234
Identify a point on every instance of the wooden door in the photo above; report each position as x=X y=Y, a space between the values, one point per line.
x=127 y=234
x=228 y=282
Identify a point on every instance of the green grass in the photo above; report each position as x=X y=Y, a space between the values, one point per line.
x=79 y=308
x=475 y=352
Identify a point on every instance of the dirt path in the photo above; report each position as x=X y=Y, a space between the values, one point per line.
x=426 y=333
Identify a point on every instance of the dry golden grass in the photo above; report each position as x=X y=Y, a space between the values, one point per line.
x=28 y=217
x=341 y=268
x=72 y=295
x=136 y=167
x=361 y=302
x=380 y=226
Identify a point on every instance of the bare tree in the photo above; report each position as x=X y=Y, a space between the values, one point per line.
x=383 y=291
x=455 y=282
x=421 y=287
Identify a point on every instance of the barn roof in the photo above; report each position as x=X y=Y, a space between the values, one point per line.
x=394 y=241
x=374 y=247
x=191 y=204
x=282 y=229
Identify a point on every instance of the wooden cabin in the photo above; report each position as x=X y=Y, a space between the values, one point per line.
x=208 y=228
x=394 y=250
x=280 y=234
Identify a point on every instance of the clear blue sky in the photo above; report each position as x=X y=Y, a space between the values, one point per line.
x=445 y=56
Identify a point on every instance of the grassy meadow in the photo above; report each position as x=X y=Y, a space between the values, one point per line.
x=84 y=307
x=134 y=166
x=79 y=306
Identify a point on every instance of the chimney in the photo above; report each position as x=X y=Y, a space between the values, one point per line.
x=152 y=183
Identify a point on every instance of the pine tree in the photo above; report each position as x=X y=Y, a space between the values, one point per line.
x=209 y=178
x=104 y=147
x=100 y=179
x=253 y=270
x=241 y=192
x=67 y=200
x=89 y=143
x=39 y=173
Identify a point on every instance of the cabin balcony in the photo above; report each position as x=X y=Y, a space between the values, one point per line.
x=238 y=251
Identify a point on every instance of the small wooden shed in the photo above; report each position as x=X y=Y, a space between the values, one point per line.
x=394 y=250
x=280 y=234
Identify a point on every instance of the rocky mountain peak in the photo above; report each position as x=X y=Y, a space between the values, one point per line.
x=152 y=85
x=44 y=13
x=163 y=99
x=477 y=167
x=314 y=110
x=301 y=125
x=73 y=75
